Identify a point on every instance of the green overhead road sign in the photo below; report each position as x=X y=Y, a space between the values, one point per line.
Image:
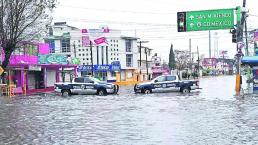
x=206 y=20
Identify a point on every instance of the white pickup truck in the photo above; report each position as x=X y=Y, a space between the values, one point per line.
x=167 y=83
x=86 y=85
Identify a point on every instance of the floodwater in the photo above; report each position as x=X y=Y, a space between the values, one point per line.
x=212 y=115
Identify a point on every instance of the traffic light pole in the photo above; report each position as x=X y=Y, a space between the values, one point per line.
x=240 y=28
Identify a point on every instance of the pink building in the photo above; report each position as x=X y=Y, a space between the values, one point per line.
x=158 y=68
x=36 y=69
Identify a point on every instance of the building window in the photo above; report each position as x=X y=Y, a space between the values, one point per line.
x=52 y=46
x=87 y=58
x=128 y=45
x=111 y=40
x=83 y=54
x=117 y=59
x=79 y=54
x=117 y=49
x=86 y=49
x=83 y=59
x=83 y=63
x=79 y=49
x=111 y=44
x=117 y=45
x=129 y=60
x=111 y=58
x=65 y=45
x=113 y=74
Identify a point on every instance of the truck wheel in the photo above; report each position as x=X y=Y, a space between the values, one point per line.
x=147 y=91
x=134 y=88
x=116 y=89
x=185 y=90
x=102 y=92
x=66 y=93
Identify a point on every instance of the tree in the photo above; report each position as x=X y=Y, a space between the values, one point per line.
x=172 y=61
x=182 y=59
x=22 y=21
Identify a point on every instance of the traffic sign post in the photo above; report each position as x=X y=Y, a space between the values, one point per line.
x=206 y=20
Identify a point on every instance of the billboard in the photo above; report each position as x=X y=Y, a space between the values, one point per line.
x=96 y=36
x=209 y=62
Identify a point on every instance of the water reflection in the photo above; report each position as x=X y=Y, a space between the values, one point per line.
x=210 y=116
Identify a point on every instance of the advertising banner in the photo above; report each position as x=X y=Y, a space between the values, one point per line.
x=96 y=36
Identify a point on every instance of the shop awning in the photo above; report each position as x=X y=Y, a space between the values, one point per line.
x=251 y=60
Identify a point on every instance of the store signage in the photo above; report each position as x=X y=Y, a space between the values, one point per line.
x=34 y=68
x=101 y=68
x=52 y=59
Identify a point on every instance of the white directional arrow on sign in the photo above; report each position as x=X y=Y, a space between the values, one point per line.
x=191 y=24
x=191 y=17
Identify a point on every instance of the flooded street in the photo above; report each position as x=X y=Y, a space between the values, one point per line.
x=212 y=115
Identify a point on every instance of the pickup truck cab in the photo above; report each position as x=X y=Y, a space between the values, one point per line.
x=166 y=83
x=86 y=85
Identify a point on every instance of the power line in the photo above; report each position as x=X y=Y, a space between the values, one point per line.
x=120 y=11
x=114 y=22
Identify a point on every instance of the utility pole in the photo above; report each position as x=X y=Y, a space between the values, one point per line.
x=74 y=49
x=140 y=49
x=239 y=30
x=246 y=39
x=198 y=61
x=209 y=44
x=91 y=58
x=147 y=63
x=190 y=53
x=140 y=57
x=190 y=49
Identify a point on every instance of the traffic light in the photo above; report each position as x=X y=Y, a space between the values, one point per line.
x=181 y=21
x=234 y=36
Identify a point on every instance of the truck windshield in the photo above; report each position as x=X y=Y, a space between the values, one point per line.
x=95 y=80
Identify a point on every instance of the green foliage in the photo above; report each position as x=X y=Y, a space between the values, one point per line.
x=172 y=61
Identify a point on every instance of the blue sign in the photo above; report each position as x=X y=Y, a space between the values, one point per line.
x=84 y=68
x=98 y=68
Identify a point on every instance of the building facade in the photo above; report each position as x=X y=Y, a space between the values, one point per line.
x=33 y=69
x=102 y=52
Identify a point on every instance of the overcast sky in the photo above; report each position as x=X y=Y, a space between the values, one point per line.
x=152 y=20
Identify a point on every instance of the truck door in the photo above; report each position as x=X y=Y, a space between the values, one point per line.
x=89 y=86
x=159 y=84
x=78 y=86
x=171 y=82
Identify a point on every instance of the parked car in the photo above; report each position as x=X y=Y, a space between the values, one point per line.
x=86 y=85
x=167 y=83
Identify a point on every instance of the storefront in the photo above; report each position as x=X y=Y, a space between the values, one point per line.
x=102 y=72
x=37 y=71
